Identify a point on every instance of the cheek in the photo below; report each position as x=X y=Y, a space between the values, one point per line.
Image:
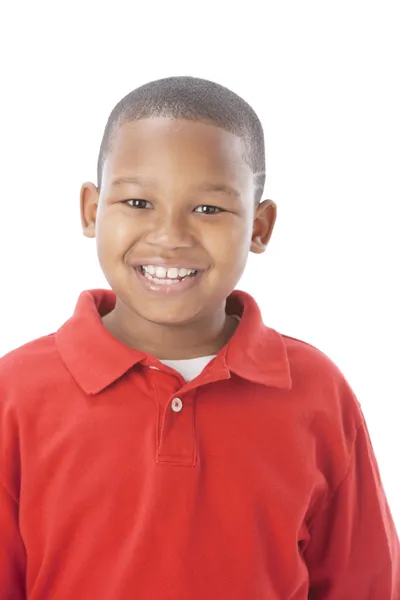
x=230 y=245
x=114 y=234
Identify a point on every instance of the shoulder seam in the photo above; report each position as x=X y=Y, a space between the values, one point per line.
x=341 y=481
x=289 y=337
x=8 y=492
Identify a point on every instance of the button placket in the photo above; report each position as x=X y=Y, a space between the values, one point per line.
x=177 y=437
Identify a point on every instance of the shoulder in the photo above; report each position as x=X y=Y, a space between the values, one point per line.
x=28 y=354
x=25 y=367
x=304 y=358
x=322 y=385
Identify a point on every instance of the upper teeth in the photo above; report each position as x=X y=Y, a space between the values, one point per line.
x=162 y=272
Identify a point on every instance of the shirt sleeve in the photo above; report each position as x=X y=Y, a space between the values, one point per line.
x=12 y=550
x=353 y=550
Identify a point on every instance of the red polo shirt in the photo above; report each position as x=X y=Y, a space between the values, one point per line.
x=259 y=483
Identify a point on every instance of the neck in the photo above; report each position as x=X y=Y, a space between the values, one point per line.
x=203 y=337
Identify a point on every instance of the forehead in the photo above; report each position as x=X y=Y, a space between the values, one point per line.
x=165 y=143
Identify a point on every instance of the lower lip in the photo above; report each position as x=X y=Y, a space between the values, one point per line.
x=168 y=289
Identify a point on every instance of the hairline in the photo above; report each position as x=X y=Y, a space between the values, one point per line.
x=124 y=119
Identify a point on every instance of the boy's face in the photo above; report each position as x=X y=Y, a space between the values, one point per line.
x=189 y=207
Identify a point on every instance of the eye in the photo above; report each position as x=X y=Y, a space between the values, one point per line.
x=206 y=209
x=137 y=203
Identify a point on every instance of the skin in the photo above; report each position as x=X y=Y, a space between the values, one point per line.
x=178 y=156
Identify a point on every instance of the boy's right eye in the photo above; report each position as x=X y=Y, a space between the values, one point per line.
x=138 y=203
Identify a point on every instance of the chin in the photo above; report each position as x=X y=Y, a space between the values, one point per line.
x=163 y=316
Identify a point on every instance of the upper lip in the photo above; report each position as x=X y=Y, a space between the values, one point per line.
x=167 y=263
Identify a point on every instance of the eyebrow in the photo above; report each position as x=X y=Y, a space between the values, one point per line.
x=218 y=187
x=136 y=180
x=203 y=187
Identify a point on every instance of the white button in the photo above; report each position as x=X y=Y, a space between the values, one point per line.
x=156 y=368
x=177 y=404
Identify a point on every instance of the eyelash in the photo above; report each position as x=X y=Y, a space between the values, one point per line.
x=215 y=210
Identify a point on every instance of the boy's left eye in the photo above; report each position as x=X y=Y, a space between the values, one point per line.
x=206 y=209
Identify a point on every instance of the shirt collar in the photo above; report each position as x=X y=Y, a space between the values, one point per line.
x=96 y=359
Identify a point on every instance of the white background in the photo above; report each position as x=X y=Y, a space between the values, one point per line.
x=324 y=79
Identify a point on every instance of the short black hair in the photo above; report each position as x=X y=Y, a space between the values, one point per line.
x=193 y=99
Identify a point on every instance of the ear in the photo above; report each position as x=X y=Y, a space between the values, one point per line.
x=89 y=203
x=264 y=221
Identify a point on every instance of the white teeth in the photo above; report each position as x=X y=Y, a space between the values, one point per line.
x=164 y=281
x=161 y=273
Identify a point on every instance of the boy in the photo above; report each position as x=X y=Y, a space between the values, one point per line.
x=164 y=444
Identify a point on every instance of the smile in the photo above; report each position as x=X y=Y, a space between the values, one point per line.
x=166 y=276
x=171 y=280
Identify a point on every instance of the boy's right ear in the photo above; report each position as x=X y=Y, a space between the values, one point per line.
x=89 y=202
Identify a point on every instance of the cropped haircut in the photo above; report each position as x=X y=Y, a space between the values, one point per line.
x=192 y=99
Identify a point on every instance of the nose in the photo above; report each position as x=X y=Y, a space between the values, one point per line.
x=170 y=231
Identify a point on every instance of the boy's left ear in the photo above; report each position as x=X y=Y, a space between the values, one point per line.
x=264 y=221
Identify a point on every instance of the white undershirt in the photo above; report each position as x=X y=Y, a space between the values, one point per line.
x=190 y=368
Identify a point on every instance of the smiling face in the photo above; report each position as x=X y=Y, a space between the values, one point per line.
x=175 y=218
